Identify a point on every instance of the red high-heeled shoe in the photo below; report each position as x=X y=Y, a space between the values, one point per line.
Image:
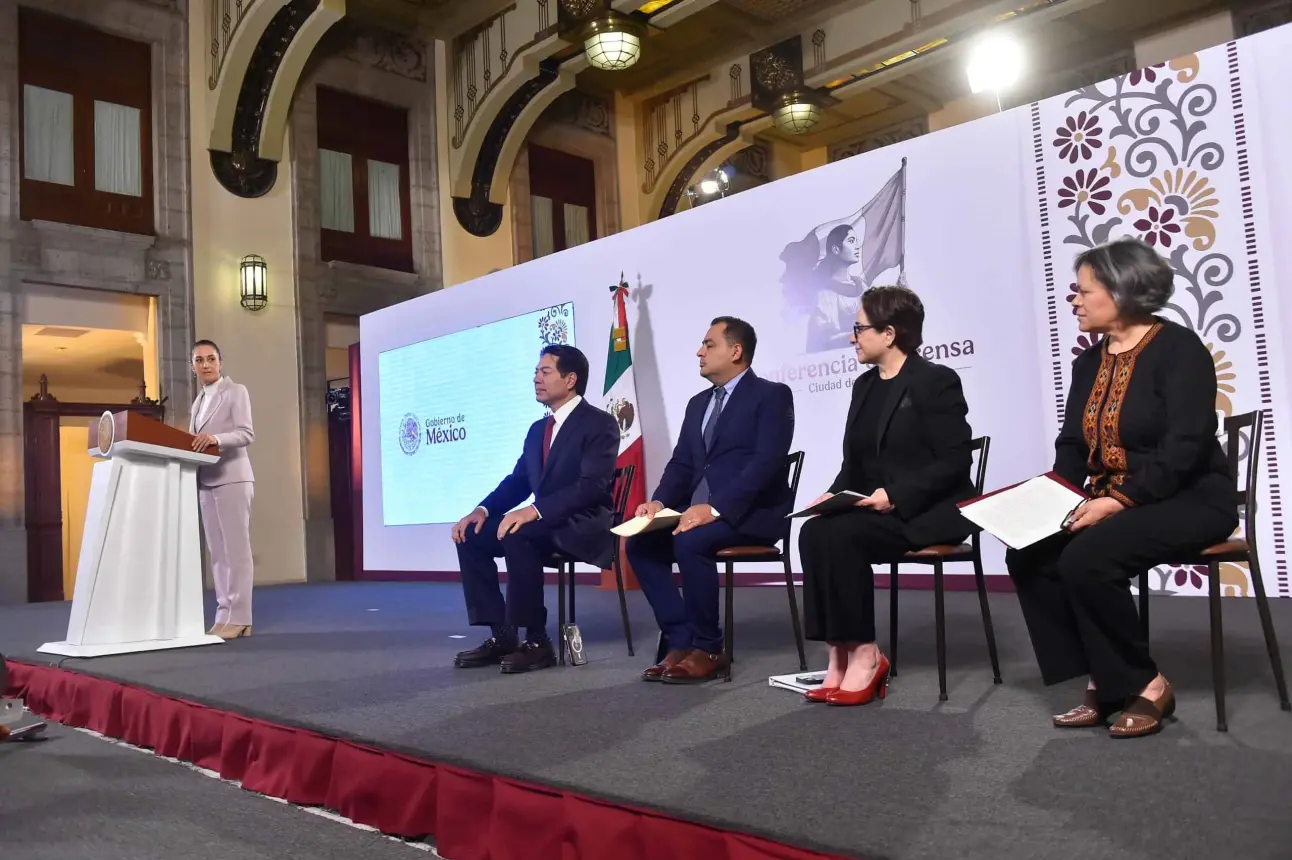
x=820 y=694
x=878 y=686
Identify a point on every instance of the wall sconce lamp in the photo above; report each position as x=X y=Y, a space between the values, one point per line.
x=254 y=277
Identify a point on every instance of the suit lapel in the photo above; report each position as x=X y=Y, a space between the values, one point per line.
x=734 y=400
x=559 y=443
x=215 y=404
x=895 y=394
x=863 y=387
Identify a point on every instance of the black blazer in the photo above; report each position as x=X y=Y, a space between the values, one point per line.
x=1166 y=434
x=748 y=482
x=576 y=489
x=924 y=450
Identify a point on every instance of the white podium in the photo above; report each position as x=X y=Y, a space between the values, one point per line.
x=139 y=578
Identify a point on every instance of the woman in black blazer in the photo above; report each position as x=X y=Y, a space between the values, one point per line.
x=1139 y=433
x=906 y=447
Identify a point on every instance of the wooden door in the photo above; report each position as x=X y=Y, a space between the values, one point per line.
x=44 y=502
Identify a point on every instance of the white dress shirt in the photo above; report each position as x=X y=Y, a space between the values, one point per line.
x=559 y=415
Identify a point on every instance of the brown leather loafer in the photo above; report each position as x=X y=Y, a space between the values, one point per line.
x=671 y=659
x=1091 y=712
x=698 y=667
x=1143 y=717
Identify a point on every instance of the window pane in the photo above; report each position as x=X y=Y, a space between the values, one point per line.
x=384 y=215
x=336 y=186
x=540 y=209
x=47 y=135
x=577 y=228
x=117 y=147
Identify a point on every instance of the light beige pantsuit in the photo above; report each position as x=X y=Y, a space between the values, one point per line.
x=225 y=491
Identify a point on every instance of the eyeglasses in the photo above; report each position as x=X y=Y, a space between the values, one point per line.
x=858 y=328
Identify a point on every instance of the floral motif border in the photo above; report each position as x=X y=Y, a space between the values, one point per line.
x=1150 y=130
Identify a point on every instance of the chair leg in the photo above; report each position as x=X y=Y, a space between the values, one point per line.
x=794 y=616
x=892 y=619
x=560 y=613
x=1267 y=625
x=940 y=624
x=1143 y=603
x=986 y=618
x=570 y=573
x=729 y=645
x=623 y=604
x=1217 y=645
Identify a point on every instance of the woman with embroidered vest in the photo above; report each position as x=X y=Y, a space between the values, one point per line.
x=1139 y=433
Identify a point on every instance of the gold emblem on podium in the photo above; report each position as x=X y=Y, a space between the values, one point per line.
x=107 y=429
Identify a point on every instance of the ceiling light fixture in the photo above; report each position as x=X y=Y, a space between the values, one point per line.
x=613 y=42
x=798 y=112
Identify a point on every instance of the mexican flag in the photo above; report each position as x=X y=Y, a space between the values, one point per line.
x=620 y=401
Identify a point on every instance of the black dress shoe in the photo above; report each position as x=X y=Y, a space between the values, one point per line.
x=488 y=653
x=529 y=657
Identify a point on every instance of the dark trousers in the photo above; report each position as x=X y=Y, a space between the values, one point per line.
x=838 y=581
x=688 y=619
x=1075 y=590
x=524 y=550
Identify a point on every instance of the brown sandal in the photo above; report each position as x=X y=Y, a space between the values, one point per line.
x=1144 y=717
x=1091 y=712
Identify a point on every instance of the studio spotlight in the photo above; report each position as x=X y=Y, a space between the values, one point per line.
x=995 y=64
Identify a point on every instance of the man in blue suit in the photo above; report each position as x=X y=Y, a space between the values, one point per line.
x=568 y=465
x=728 y=476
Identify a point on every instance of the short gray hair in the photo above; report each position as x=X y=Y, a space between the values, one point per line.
x=1139 y=280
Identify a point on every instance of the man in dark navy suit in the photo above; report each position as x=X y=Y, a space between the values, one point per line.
x=728 y=477
x=568 y=465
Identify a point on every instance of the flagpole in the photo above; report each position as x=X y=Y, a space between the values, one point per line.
x=901 y=272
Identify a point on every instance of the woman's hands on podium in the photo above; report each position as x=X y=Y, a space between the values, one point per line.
x=202 y=441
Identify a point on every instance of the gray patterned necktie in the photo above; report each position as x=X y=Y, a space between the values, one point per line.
x=701 y=494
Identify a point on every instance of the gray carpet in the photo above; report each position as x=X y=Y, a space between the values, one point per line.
x=981 y=776
x=76 y=797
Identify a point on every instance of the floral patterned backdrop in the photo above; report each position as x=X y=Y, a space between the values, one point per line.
x=1162 y=154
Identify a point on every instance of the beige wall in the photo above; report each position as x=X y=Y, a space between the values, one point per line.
x=466 y=257
x=260 y=348
x=1185 y=39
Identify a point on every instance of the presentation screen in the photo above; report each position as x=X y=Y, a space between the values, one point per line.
x=454 y=412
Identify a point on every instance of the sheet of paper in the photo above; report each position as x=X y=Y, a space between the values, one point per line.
x=1020 y=516
x=665 y=519
x=838 y=502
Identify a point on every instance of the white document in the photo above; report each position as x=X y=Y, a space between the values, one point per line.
x=799 y=682
x=1026 y=513
x=665 y=519
x=837 y=502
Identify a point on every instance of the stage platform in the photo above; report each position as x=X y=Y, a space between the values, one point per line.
x=983 y=775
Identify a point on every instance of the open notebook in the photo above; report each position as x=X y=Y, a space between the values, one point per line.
x=1025 y=513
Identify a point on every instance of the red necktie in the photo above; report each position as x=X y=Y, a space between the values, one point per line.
x=547 y=436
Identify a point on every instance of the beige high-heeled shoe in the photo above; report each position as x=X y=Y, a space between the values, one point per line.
x=234 y=631
x=216 y=628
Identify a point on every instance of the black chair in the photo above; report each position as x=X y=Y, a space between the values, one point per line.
x=623 y=482
x=761 y=554
x=939 y=556
x=1237 y=550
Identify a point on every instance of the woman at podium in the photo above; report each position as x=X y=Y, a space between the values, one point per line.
x=221 y=416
